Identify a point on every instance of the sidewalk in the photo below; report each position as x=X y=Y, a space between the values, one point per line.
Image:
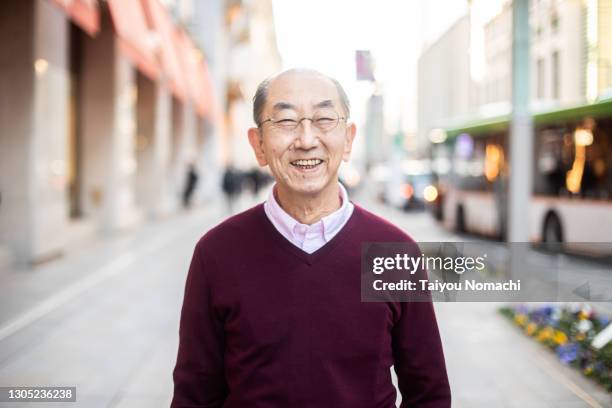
x=23 y=288
x=104 y=318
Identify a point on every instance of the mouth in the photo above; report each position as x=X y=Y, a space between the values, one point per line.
x=306 y=164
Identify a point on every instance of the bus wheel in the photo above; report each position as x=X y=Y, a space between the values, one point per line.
x=552 y=236
x=460 y=221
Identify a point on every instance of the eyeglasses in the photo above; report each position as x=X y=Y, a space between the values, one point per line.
x=325 y=121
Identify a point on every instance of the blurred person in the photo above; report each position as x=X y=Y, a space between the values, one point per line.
x=190 y=184
x=272 y=314
x=231 y=186
x=257 y=180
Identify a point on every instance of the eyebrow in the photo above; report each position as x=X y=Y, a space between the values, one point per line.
x=283 y=105
x=328 y=103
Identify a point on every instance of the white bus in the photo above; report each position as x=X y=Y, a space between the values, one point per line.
x=572 y=177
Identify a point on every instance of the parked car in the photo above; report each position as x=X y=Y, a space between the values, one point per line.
x=415 y=188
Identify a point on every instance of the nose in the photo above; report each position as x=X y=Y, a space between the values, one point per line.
x=306 y=137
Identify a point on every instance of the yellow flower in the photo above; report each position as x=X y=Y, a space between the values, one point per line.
x=520 y=319
x=545 y=334
x=583 y=315
x=560 y=337
x=588 y=370
x=580 y=336
x=531 y=328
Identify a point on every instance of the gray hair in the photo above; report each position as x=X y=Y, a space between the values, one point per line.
x=259 y=100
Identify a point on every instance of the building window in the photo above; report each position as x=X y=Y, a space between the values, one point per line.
x=540 y=78
x=554 y=22
x=556 y=75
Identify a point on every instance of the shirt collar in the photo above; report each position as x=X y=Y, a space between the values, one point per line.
x=329 y=225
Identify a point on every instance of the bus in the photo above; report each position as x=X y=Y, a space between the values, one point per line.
x=572 y=176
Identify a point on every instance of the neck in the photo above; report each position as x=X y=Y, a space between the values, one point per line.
x=308 y=209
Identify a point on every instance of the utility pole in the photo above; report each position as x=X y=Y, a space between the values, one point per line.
x=521 y=129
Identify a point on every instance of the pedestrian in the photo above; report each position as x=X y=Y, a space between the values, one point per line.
x=231 y=185
x=191 y=182
x=256 y=181
x=272 y=314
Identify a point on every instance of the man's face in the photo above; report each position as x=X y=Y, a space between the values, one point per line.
x=304 y=160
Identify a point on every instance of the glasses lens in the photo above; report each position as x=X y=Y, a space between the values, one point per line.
x=285 y=120
x=325 y=120
x=285 y=124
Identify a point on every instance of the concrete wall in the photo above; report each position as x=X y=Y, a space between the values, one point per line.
x=497 y=85
x=182 y=150
x=16 y=82
x=33 y=129
x=208 y=29
x=160 y=204
x=444 y=81
x=152 y=147
x=604 y=48
x=568 y=41
x=145 y=128
x=109 y=132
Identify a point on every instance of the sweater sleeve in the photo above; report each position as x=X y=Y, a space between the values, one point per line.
x=199 y=379
x=418 y=357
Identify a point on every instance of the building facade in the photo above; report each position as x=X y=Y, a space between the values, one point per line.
x=252 y=57
x=570 y=54
x=104 y=106
x=444 y=83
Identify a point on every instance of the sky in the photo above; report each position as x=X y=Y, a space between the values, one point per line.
x=324 y=34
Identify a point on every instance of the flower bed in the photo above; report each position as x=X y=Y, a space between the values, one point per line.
x=568 y=330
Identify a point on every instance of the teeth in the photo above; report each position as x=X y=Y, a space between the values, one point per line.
x=312 y=162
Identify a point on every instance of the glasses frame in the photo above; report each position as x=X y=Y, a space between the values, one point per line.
x=299 y=122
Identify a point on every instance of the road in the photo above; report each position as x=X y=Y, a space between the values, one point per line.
x=105 y=319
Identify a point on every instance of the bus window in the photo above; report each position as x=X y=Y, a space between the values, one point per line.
x=574 y=161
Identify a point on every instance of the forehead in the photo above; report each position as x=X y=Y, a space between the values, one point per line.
x=301 y=90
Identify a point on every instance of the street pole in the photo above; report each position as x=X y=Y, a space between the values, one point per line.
x=521 y=129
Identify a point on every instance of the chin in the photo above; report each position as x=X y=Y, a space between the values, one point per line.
x=309 y=187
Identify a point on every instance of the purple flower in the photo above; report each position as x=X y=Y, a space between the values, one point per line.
x=521 y=309
x=568 y=352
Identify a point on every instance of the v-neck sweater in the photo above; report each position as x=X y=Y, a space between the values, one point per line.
x=265 y=324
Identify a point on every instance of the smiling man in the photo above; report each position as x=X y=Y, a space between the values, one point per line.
x=272 y=314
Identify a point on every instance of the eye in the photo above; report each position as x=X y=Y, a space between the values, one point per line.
x=286 y=122
x=326 y=123
x=325 y=119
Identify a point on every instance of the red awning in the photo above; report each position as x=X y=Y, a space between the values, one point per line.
x=136 y=41
x=162 y=23
x=195 y=71
x=84 y=13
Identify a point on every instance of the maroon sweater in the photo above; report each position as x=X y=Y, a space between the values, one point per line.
x=265 y=324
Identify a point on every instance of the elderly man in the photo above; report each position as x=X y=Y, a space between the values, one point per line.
x=272 y=315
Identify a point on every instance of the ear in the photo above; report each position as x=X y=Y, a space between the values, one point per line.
x=351 y=130
x=256 y=141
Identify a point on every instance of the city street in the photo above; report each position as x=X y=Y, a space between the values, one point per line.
x=129 y=127
x=105 y=317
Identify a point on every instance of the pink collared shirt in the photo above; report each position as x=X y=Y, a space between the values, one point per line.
x=308 y=238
